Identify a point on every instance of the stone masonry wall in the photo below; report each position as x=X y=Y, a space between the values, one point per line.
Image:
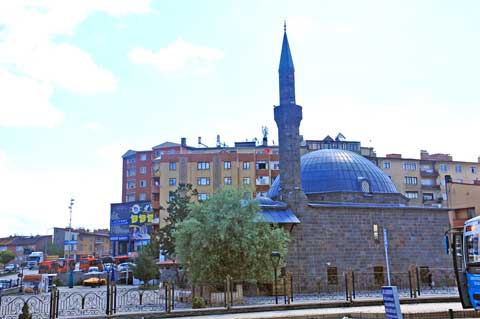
x=343 y=238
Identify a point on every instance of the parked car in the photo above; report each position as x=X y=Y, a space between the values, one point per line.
x=11 y=267
x=108 y=267
x=126 y=266
x=94 y=282
x=92 y=269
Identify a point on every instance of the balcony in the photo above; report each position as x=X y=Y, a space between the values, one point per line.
x=155 y=189
x=428 y=172
x=431 y=187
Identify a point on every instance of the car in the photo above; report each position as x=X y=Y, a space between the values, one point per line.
x=126 y=266
x=94 y=282
x=108 y=267
x=11 y=267
x=92 y=269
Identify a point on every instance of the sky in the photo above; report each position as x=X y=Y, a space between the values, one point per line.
x=83 y=81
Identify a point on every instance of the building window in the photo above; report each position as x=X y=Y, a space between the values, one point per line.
x=473 y=169
x=171 y=151
x=130 y=197
x=227 y=180
x=375 y=233
x=386 y=165
x=171 y=196
x=172 y=182
x=131 y=184
x=246 y=181
x=131 y=160
x=262 y=165
x=275 y=165
x=202 y=196
x=332 y=276
x=378 y=275
x=227 y=165
x=263 y=180
x=203 y=181
x=131 y=172
x=158 y=153
x=172 y=166
x=143 y=157
x=443 y=168
x=458 y=168
x=143 y=196
x=143 y=183
x=203 y=165
x=411 y=180
x=143 y=170
x=411 y=195
x=427 y=197
x=410 y=166
x=246 y=165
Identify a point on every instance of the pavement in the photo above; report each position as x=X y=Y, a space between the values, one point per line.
x=409 y=311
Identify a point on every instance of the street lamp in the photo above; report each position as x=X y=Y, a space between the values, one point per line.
x=275 y=258
x=70 y=269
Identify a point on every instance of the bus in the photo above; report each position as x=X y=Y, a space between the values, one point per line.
x=63 y=266
x=122 y=259
x=463 y=244
x=90 y=261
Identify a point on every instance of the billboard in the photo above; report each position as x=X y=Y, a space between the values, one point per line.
x=130 y=221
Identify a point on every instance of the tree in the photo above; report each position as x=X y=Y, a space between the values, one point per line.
x=224 y=235
x=146 y=267
x=6 y=256
x=53 y=249
x=178 y=209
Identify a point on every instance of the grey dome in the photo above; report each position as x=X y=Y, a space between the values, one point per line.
x=332 y=170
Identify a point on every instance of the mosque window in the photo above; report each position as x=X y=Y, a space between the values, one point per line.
x=332 y=276
x=379 y=275
x=365 y=186
x=375 y=233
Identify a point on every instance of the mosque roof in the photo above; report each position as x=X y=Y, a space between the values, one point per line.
x=332 y=170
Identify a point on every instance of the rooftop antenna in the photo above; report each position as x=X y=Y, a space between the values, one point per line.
x=285 y=25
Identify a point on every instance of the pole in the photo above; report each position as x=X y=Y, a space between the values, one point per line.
x=69 y=270
x=276 y=294
x=385 y=241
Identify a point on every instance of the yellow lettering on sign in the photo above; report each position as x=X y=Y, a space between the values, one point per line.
x=143 y=218
x=150 y=218
x=134 y=219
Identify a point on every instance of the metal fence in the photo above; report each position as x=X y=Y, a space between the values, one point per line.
x=112 y=299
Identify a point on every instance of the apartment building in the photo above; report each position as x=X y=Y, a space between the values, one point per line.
x=83 y=242
x=423 y=180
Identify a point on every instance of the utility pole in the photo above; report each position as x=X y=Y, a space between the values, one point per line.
x=69 y=270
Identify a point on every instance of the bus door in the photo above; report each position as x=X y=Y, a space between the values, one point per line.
x=459 y=268
x=472 y=261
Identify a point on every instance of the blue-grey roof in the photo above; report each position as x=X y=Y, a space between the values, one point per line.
x=332 y=170
x=286 y=61
x=279 y=217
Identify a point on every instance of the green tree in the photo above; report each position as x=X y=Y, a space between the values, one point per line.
x=6 y=256
x=178 y=209
x=53 y=249
x=146 y=267
x=224 y=235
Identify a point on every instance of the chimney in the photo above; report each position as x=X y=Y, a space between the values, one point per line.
x=218 y=140
x=199 y=140
x=183 y=142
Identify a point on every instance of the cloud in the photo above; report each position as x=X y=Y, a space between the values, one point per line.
x=25 y=102
x=94 y=126
x=30 y=53
x=177 y=57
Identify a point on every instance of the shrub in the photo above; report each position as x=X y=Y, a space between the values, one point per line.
x=25 y=312
x=198 y=302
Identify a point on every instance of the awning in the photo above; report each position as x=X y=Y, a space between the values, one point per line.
x=279 y=217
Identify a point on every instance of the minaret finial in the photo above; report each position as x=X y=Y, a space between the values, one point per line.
x=285 y=25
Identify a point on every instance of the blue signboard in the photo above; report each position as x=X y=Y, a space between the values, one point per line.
x=69 y=242
x=130 y=221
x=391 y=302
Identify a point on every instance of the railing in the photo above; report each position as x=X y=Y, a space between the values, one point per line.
x=112 y=299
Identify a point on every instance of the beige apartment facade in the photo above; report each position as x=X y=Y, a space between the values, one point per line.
x=423 y=180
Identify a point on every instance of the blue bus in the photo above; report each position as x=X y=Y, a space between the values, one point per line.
x=466 y=261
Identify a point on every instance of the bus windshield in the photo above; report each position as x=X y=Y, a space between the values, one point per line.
x=472 y=251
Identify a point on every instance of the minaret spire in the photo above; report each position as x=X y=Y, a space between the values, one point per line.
x=286 y=72
x=288 y=116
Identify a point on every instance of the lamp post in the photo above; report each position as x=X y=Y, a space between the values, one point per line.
x=69 y=243
x=275 y=258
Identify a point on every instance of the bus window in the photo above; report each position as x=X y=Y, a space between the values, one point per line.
x=471 y=243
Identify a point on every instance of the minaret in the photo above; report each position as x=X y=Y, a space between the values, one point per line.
x=288 y=116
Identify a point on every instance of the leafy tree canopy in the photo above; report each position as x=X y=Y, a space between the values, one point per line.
x=224 y=235
x=6 y=256
x=146 y=266
x=178 y=209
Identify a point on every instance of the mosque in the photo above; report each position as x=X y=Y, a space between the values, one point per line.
x=336 y=205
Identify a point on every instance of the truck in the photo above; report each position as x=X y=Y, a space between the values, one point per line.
x=34 y=259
